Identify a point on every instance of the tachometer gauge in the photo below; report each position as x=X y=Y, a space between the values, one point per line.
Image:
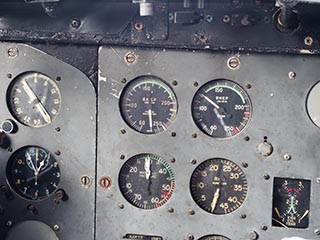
x=221 y=109
x=148 y=105
x=33 y=173
x=146 y=181
x=218 y=186
x=214 y=237
x=34 y=99
x=291 y=203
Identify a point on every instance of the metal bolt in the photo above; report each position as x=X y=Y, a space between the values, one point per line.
x=226 y=18
x=56 y=227
x=122 y=156
x=193 y=161
x=243 y=216
x=13 y=52
x=170 y=210
x=173 y=160
x=264 y=227
x=253 y=235
x=318 y=180
x=173 y=134
x=191 y=212
x=195 y=84
x=85 y=181
x=190 y=236
x=121 y=206
x=209 y=18
x=317 y=231
x=75 y=23
x=194 y=135
x=266 y=176
x=308 y=41
x=174 y=83
x=233 y=63
x=287 y=157
x=245 y=165
x=123 y=131
x=58 y=129
x=105 y=182
x=130 y=58
x=291 y=75
x=9 y=223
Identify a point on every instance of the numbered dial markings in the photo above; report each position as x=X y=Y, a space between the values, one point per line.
x=33 y=173
x=34 y=99
x=221 y=109
x=218 y=186
x=291 y=203
x=146 y=181
x=148 y=105
x=214 y=237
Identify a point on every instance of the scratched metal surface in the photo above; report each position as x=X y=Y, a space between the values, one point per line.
x=279 y=112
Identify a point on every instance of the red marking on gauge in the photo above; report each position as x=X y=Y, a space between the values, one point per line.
x=168 y=195
x=289 y=190
x=247 y=114
x=296 y=190
x=236 y=131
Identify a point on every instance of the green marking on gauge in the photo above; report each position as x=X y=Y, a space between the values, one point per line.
x=226 y=86
x=158 y=83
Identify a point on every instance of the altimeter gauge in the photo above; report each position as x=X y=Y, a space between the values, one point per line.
x=33 y=173
x=146 y=181
x=218 y=186
x=148 y=105
x=34 y=99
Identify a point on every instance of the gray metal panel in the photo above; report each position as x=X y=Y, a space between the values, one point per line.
x=76 y=141
x=279 y=113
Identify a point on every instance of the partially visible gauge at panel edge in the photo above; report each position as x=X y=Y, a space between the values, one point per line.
x=146 y=181
x=221 y=108
x=148 y=105
x=214 y=237
x=218 y=186
x=34 y=99
x=33 y=173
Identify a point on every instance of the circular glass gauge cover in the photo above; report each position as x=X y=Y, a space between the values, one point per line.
x=214 y=237
x=313 y=104
x=218 y=186
x=146 y=181
x=221 y=109
x=34 y=99
x=33 y=173
x=148 y=105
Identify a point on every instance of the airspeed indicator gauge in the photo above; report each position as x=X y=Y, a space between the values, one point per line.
x=146 y=181
x=148 y=105
x=221 y=109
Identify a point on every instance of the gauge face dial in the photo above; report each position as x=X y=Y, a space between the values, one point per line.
x=221 y=109
x=291 y=203
x=218 y=186
x=34 y=99
x=33 y=173
x=214 y=237
x=148 y=105
x=146 y=181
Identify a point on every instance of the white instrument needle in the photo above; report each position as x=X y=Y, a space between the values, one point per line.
x=215 y=199
x=147 y=164
x=210 y=101
x=150 y=118
x=38 y=104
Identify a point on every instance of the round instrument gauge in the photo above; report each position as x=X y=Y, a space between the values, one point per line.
x=313 y=104
x=148 y=105
x=221 y=109
x=33 y=173
x=214 y=237
x=218 y=186
x=34 y=99
x=146 y=181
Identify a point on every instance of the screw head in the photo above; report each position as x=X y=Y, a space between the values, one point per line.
x=56 y=227
x=190 y=236
x=233 y=63
x=318 y=180
x=317 y=231
x=9 y=223
x=86 y=181
x=286 y=157
x=75 y=23
x=264 y=227
x=170 y=210
x=191 y=212
x=123 y=131
x=292 y=75
x=253 y=235
x=121 y=205
x=266 y=176
x=58 y=152
x=122 y=156
x=308 y=41
x=13 y=52
x=130 y=58
x=193 y=161
x=194 y=135
x=243 y=215
x=105 y=182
